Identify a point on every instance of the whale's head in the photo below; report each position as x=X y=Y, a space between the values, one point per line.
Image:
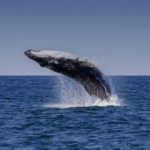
x=41 y=57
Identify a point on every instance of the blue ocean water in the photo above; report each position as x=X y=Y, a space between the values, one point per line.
x=27 y=124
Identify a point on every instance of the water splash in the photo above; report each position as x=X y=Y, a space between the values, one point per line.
x=71 y=94
x=113 y=102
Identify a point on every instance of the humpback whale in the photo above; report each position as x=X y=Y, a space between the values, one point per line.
x=83 y=71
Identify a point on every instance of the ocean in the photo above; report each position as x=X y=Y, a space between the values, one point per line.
x=55 y=113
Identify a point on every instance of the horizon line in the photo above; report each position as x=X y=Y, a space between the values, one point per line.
x=63 y=75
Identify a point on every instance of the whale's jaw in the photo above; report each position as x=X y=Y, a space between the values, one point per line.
x=83 y=71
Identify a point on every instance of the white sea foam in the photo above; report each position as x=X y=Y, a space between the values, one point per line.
x=114 y=101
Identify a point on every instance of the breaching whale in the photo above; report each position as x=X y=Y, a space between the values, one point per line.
x=83 y=71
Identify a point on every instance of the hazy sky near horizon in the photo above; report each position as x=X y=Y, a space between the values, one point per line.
x=114 y=33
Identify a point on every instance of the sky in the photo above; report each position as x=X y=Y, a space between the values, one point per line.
x=114 y=33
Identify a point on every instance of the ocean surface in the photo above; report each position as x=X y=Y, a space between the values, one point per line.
x=55 y=113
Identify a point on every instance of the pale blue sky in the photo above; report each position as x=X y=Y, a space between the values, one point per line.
x=114 y=33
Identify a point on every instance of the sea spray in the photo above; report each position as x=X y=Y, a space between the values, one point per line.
x=71 y=94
